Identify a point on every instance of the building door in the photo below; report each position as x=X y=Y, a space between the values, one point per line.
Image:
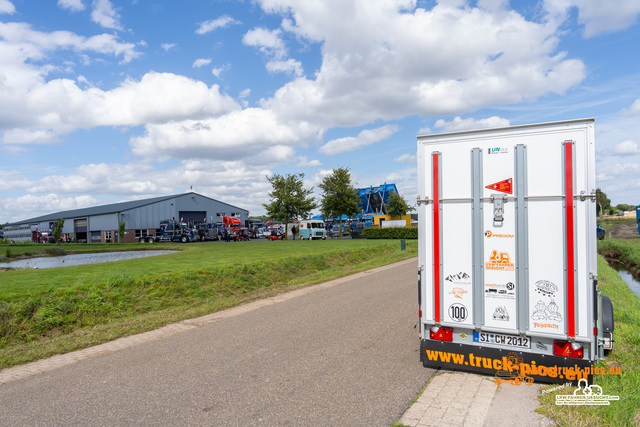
x=193 y=216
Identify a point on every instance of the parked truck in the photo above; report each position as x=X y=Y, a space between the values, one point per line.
x=208 y=232
x=233 y=223
x=507 y=270
x=173 y=231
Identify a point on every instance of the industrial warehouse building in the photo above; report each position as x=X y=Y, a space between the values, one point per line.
x=141 y=217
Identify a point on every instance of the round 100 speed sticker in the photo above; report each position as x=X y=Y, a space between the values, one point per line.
x=458 y=312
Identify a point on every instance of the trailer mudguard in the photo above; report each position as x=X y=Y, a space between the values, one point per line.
x=607 y=315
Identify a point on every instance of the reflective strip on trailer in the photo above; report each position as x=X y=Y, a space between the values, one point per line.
x=570 y=238
x=435 y=163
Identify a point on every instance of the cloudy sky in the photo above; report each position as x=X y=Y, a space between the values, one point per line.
x=104 y=101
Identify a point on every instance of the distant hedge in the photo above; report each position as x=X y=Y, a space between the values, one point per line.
x=390 y=233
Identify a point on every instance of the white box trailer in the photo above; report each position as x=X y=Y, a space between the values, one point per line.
x=507 y=253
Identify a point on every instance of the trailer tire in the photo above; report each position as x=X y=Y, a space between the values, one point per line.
x=608 y=323
x=150 y=240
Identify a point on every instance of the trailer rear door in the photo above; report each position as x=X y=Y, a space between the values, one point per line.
x=507 y=235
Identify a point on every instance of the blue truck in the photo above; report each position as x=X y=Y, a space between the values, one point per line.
x=173 y=231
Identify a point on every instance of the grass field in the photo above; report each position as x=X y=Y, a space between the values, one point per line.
x=626 y=353
x=49 y=311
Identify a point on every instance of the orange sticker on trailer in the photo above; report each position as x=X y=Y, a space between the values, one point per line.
x=505 y=186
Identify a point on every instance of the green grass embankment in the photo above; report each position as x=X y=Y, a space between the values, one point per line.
x=626 y=353
x=626 y=251
x=50 y=311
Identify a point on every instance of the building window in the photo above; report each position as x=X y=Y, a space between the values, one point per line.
x=107 y=236
x=238 y=214
x=221 y=214
x=141 y=233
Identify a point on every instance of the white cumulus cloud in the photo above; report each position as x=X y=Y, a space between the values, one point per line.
x=406 y=158
x=7 y=7
x=364 y=138
x=389 y=61
x=214 y=24
x=73 y=5
x=626 y=148
x=201 y=62
x=105 y=15
x=598 y=17
x=459 y=124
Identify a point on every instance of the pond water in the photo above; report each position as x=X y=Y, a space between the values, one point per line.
x=628 y=278
x=80 y=259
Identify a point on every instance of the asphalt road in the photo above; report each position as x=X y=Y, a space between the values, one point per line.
x=346 y=355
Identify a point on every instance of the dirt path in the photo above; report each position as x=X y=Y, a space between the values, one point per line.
x=623 y=231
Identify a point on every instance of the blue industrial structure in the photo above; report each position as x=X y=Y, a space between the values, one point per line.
x=373 y=200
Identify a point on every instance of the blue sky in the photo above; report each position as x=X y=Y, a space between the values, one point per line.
x=104 y=101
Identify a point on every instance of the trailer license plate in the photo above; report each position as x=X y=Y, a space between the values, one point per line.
x=501 y=339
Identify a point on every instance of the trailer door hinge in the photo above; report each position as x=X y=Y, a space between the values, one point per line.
x=584 y=196
x=425 y=200
x=498 y=208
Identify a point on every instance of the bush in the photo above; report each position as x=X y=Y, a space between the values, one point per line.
x=390 y=233
x=55 y=251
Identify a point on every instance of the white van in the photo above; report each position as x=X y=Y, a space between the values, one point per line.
x=312 y=229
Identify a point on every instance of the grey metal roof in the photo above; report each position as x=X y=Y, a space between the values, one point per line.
x=111 y=208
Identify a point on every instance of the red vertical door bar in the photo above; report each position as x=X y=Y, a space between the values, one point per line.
x=568 y=180
x=435 y=157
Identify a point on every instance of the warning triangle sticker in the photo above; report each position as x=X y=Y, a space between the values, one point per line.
x=505 y=186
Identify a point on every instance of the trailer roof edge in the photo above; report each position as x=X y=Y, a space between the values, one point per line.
x=507 y=128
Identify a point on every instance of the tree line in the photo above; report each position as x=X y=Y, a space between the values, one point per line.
x=604 y=207
x=290 y=201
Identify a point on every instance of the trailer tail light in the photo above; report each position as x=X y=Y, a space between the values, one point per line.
x=441 y=334
x=568 y=349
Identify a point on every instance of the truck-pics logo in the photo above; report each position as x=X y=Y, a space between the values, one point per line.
x=499 y=261
x=505 y=186
x=513 y=371
x=489 y=233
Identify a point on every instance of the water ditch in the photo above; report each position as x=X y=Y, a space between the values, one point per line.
x=625 y=275
x=79 y=259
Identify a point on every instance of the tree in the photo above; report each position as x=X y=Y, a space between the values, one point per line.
x=289 y=199
x=397 y=205
x=622 y=207
x=57 y=229
x=603 y=202
x=339 y=196
x=121 y=227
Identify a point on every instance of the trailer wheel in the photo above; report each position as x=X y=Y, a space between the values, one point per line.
x=141 y=240
x=150 y=240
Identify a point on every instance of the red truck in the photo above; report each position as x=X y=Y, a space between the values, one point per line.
x=232 y=222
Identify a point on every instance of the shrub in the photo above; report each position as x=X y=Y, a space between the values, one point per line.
x=55 y=251
x=390 y=233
